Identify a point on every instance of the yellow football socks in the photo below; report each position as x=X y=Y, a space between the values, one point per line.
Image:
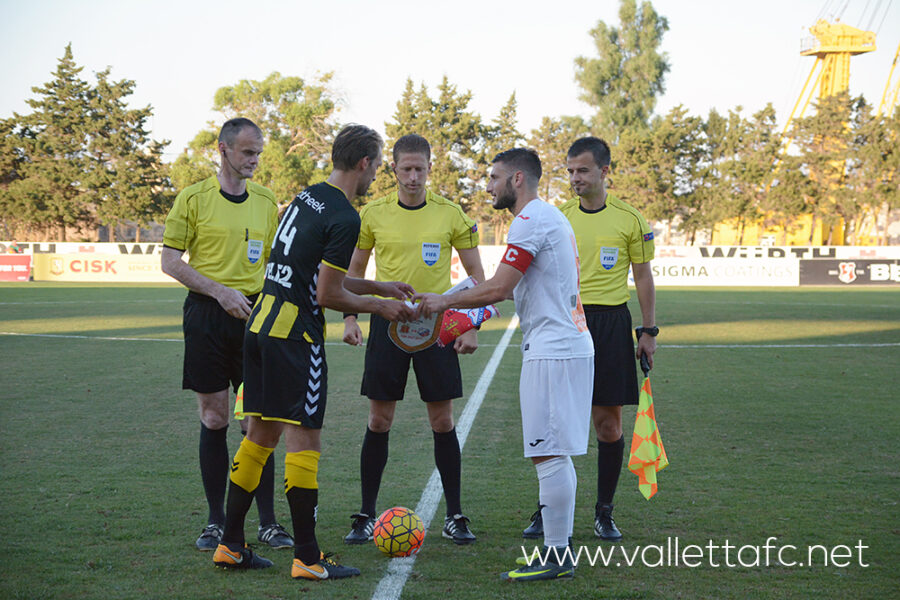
x=248 y=463
x=301 y=470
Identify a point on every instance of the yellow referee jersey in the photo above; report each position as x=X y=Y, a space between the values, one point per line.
x=229 y=242
x=414 y=244
x=608 y=240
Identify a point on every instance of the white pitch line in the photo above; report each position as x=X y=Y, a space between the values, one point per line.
x=137 y=339
x=739 y=346
x=391 y=585
x=91 y=337
x=776 y=303
x=43 y=302
x=661 y=346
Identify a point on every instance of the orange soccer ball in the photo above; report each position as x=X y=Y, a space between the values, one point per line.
x=399 y=532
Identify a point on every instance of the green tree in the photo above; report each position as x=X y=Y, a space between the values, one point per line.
x=12 y=157
x=408 y=118
x=80 y=158
x=709 y=161
x=46 y=188
x=756 y=143
x=786 y=199
x=502 y=134
x=823 y=141
x=625 y=80
x=127 y=178
x=875 y=176
x=654 y=169
x=734 y=158
x=196 y=162
x=552 y=140
x=457 y=138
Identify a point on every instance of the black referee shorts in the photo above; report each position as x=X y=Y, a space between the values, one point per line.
x=387 y=368
x=615 y=369
x=213 y=346
x=285 y=380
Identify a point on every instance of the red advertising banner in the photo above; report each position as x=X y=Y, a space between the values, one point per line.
x=15 y=267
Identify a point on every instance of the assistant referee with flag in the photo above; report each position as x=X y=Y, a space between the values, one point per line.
x=611 y=236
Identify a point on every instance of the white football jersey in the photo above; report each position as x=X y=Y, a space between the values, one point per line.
x=541 y=245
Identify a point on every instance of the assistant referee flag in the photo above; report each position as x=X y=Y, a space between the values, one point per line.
x=648 y=456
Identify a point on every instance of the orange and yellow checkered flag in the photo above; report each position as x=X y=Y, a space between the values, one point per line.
x=239 y=403
x=648 y=456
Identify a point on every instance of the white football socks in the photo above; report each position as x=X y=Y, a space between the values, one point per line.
x=556 y=478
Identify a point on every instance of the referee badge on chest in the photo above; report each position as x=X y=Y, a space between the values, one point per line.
x=431 y=253
x=608 y=257
x=254 y=251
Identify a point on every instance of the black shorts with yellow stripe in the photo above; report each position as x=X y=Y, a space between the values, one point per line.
x=387 y=368
x=285 y=380
x=615 y=369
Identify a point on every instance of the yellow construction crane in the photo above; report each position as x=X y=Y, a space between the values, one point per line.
x=832 y=44
x=889 y=97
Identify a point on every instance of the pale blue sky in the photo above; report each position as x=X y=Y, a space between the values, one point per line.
x=722 y=53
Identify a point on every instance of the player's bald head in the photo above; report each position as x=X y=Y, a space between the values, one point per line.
x=233 y=127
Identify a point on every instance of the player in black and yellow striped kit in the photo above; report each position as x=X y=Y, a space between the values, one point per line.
x=285 y=386
x=412 y=232
x=226 y=224
x=611 y=236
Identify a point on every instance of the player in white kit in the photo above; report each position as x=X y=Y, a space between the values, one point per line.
x=540 y=269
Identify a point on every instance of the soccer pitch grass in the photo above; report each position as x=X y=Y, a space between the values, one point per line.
x=777 y=409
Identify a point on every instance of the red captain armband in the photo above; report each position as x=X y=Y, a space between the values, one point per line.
x=517 y=257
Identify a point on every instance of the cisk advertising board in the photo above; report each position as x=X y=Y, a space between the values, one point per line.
x=126 y=268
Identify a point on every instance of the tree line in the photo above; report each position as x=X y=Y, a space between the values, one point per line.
x=82 y=159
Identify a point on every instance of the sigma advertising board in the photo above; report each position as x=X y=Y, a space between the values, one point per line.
x=725 y=272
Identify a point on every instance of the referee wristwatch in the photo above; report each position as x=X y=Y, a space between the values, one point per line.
x=651 y=331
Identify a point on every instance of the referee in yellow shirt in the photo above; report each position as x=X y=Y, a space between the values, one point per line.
x=226 y=225
x=412 y=232
x=611 y=237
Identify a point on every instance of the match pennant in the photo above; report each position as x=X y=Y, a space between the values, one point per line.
x=413 y=336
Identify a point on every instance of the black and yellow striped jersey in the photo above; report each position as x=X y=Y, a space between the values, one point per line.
x=413 y=244
x=319 y=226
x=608 y=240
x=227 y=241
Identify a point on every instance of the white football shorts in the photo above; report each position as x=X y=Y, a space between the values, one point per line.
x=555 y=398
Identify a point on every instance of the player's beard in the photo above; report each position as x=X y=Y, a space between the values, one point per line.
x=506 y=198
x=363 y=187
